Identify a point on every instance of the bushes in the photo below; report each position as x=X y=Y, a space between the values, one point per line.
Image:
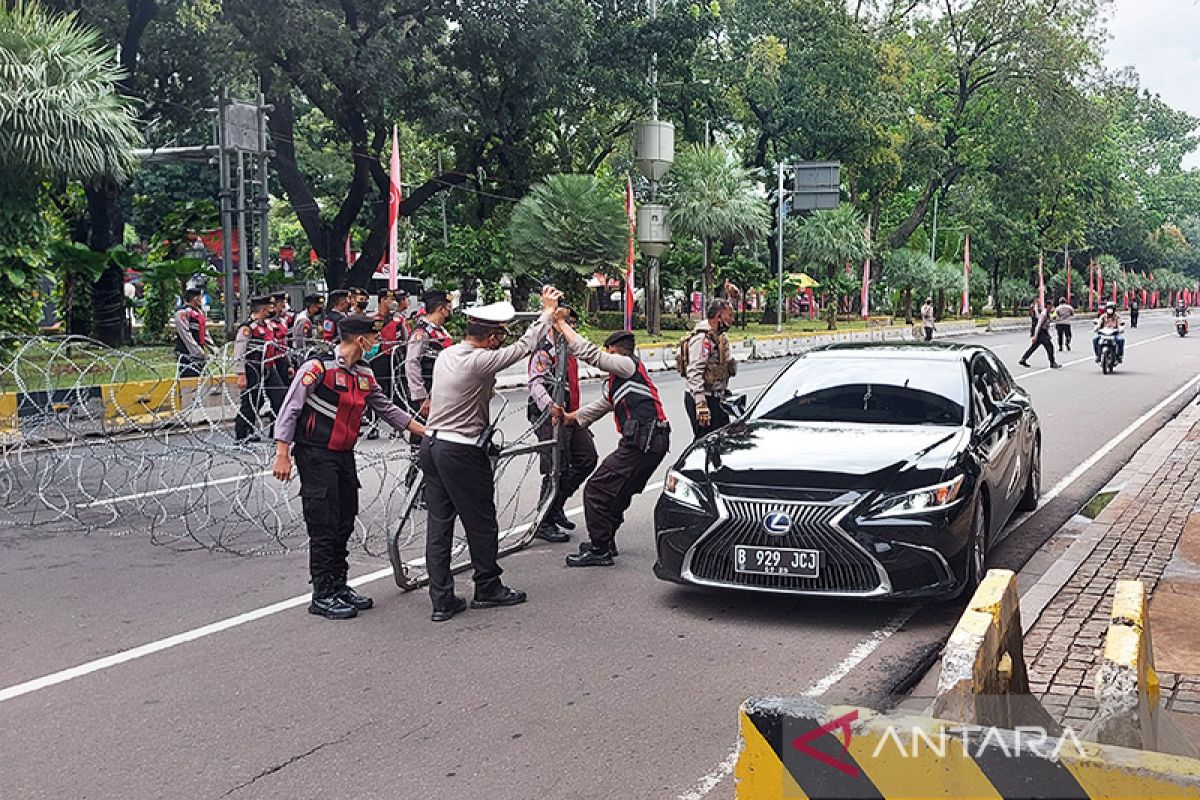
x=615 y=320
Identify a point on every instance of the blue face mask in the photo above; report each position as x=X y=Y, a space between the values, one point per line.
x=374 y=351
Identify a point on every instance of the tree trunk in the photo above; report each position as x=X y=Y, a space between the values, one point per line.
x=108 y=294
x=908 y=317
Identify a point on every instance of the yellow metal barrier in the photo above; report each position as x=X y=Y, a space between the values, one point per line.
x=799 y=748
x=140 y=403
x=10 y=429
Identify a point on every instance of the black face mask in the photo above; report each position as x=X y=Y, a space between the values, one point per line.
x=722 y=327
x=362 y=305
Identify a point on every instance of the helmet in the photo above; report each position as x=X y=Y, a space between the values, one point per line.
x=1110 y=306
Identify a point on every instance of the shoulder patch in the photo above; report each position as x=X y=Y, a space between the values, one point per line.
x=309 y=378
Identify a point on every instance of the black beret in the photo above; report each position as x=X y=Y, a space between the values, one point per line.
x=337 y=294
x=261 y=300
x=279 y=296
x=435 y=297
x=620 y=339
x=357 y=324
x=357 y=292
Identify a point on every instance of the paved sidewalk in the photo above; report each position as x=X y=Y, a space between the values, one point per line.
x=1150 y=532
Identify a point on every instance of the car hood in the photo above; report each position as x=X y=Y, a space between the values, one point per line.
x=813 y=455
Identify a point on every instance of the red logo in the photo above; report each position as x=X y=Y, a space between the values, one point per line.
x=800 y=743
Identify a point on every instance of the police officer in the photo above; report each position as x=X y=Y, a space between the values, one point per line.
x=393 y=331
x=279 y=322
x=359 y=300
x=576 y=445
x=339 y=303
x=191 y=334
x=709 y=368
x=304 y=327
x=321 y=416
x=459 y=481
x=645 y=439
x=254 y=362
x=428 y=339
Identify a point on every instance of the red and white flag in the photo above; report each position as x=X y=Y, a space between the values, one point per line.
x=630 y=212
x=349 y=252
x=865 y=300
x=395 y=195
x=966 y=290
x=1041 y=285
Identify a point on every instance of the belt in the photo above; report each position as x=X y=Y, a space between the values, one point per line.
x=450 y=436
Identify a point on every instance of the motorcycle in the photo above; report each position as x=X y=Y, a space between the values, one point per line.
x=1181 y=326
x=1108 y=349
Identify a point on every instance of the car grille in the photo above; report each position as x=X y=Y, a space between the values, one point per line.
x=844 y=565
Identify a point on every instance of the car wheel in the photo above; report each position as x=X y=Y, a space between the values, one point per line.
x=976 y=562
x=1033 y=486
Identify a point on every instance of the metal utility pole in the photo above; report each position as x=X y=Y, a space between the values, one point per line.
x=223 y=147
x=779 y=247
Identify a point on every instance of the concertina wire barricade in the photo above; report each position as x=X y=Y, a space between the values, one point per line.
x=95 y=440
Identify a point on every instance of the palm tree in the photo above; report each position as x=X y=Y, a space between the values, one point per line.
x=832 y=239
x=713 y=198
x=61 y=118
x=569 y=224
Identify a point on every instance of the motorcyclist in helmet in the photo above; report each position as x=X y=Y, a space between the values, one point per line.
x=1181 y=309
x=1109 y=319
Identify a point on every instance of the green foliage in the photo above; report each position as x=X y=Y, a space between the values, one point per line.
x=713 y=197
x=60 y=113
x=569 y=224
x=164 y=282
x=830 y=239
x=1015 y=295
x=25 y=238
x=473 y=257
x=77 y=267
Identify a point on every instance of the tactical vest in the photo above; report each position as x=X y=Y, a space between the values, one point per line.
x=572 y=398
x=439 y=340
x=636 y=407
x=198 y=326
x=329 y=324
x=258 y=346
x=393 y=334
x=279 y=335
x=333 y=412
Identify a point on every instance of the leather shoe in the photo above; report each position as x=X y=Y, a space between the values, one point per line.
x=548 y=532
x=586 y=546
x=444 y=615
x=352 y=598
x=1023 y=363
x=561 y=520
x=332 y=608
x=505 y=597
x=591 y=558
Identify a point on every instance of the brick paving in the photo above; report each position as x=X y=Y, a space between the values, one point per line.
x=1135 y=538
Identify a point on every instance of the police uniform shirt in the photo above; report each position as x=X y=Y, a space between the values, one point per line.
x=418 y=343
x=191 y=329
x=623 y=367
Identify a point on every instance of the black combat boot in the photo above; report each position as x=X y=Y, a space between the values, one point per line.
x=586 y=545
x=560 y=518
x=549 y=532
x=591 y=558
x=326 y=602
x=352 y=598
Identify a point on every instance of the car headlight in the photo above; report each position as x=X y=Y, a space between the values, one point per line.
x=920 y=501
x=683 y=491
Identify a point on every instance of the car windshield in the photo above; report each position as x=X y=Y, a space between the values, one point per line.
x=870 y=391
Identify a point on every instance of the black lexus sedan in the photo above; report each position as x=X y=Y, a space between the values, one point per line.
x=863 y=470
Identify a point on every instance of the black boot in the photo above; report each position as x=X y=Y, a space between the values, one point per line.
x=549 y=532
x=586 y=545
x=560 y=518
x=352 y=598
x=590 y=558
x=326 y=602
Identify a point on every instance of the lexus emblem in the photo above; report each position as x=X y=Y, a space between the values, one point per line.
x=777 y=523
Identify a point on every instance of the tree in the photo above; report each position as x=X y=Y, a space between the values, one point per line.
x=712 y=198
x=61 y=118
x=569 y=226
x=832 y=239
x=904 y=271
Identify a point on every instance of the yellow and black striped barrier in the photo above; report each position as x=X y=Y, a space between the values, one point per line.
x=800 y=748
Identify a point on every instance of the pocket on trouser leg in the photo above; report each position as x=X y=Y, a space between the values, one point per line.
x=314 y=501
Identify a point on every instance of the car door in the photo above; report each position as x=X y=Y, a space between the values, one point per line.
x=996 y=436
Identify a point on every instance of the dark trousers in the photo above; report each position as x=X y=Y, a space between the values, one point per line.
x=579 y=457
x=720 y=417
x=329 y=496
x=459 y=482
x=928 y=333
x=260 y=380
x=277 y=390
x=1042 y=340
x=1064 y=336
x=622 y=474
x=190 y=366
x=1133 y=317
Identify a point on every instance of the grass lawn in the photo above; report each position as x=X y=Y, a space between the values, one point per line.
x=63 y=367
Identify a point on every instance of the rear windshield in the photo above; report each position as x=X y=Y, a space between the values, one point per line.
x=870 y=391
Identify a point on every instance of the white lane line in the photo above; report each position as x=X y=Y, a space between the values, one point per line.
x=1044 y=370
x=158 y=646
x=856 y=656
x=202 y=485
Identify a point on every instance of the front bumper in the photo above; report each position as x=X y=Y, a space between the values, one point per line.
x=893 y=559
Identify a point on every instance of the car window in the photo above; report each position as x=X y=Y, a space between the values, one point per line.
x=1004 y=383
x=866 y=390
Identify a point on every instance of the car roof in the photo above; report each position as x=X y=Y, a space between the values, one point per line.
x=933 y=351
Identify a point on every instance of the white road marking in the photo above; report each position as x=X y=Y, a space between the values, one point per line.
x=202 y=485
x=859 y=654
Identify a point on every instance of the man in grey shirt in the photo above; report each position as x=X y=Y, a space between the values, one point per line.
x=191 y=334
x=1062 y=322
x=459 y=481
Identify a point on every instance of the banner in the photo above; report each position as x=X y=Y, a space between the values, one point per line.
x=631 y=213
x=395 y=194
x=1041 y=285
x=866 y=278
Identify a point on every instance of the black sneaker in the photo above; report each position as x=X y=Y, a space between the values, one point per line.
x=505 y=597
x=561 y=520
x=352 y=598
x=548 y=532
x=586 y=546
x=590 y=558
x=446 y=614
x=1056 y=366
x=1024 y=363
x=333 y=607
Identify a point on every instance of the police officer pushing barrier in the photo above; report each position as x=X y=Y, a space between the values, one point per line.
x=191 y=334
x=577 y=447
x=645 y=439
x=428 y=339
x=321 y=416
x=254 y=356
x=339 y=302
x=459 y=480
x=707 y=367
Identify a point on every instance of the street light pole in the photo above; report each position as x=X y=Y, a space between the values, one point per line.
x=779 y=248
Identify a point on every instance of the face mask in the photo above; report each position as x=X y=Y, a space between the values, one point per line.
x=371 y=352
x=722 y=327
x=362 y=306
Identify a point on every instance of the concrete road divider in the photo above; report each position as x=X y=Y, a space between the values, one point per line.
x=10 y=429
x=139 y=403
x=1127 y=687
x=801 y=748
x=983 y=679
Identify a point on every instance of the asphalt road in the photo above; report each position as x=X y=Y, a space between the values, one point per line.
x=606 y=684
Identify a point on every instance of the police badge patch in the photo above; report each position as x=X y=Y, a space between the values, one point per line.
x=364 y=384
x=309 y=379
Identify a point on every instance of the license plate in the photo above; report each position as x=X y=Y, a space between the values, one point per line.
x=776 y=561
